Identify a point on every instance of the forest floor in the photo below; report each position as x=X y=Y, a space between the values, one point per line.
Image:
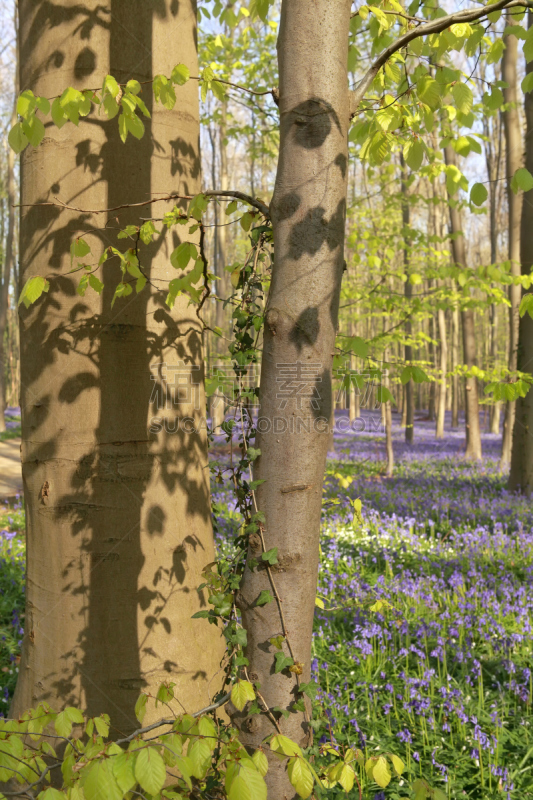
x=10 y=469
x=424 y=645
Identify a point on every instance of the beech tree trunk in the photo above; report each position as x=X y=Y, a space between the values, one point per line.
x=408 y=290
x=354 y=411
x=455 y=363
x=513 y=161
x=7 y=270
x=441 y=411
x=521 y=476
x=308 y=213
x=472 y=427
x=118 y=512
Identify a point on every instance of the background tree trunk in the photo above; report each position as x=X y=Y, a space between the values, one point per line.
x=472 y=428
x=354 y=396
x=513 y=161
x=521 y=476
x=455 y=363
x=118 y=512
x=441 y=412
x=408 y=290
x=8 y=268
x=308 y=212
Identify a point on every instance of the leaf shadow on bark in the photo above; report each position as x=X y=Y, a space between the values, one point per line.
x=108 y=507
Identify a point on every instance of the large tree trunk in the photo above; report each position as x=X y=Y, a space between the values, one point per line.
x=521 y=477
x=472 y=427
x=308 y=214
x=118 y=517
x=513 y=161
x=6 y=272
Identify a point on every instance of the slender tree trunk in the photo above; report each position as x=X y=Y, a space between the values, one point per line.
x=389 y=469
x=472 y=429
x=455 y=364
x=118 y=522
x=513 y=161
x=7 y=271
x=441 y=412
x=354 y=408
x=408 y=291
x=308 y=213
x=521 y=477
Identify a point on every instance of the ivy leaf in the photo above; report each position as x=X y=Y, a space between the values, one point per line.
x=282 y=662
x=242 y=693
x=264 y=598
x=150 y=770
x=271 y=556
x=478 y=194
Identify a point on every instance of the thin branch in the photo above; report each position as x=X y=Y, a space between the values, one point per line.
x=252 y=201
x=435 y=26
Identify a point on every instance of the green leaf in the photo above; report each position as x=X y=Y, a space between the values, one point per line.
x=100 y=783
x=478 y=194
x=123 y=766
x=26 y=103
x=284 y=746
x=528 y=45
x=527 y=83
x=261 y=762
x=183 y=253
x=135 y=125
x=78 y=249
x=242 y=693
x=522 y=179
x=58 y=115
x=413 y=152
x=180 y=74
x=464 y=99
x=526 y=305
x=282 y=662
x=301 y=776
x=64 y=721
x=381 y=772
x=199 y=754
x=244 y=782
x=346 y=777
x=17 y=139
x=264 y=598
x=150 y=770
x=140 y=707
x=34 y=130
x=133 y=86
x=271 y=556
x=123 y=127
x=33 y=289
x=51 y=794
x=110 y=85
x=398 y=764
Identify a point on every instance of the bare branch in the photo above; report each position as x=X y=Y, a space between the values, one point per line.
x=252 y=201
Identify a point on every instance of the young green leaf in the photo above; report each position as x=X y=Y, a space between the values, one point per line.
x=242 y=693
x=33 y=289
x=150 y=770
x=478 y=194
x=301 y=776
x=17 y=139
